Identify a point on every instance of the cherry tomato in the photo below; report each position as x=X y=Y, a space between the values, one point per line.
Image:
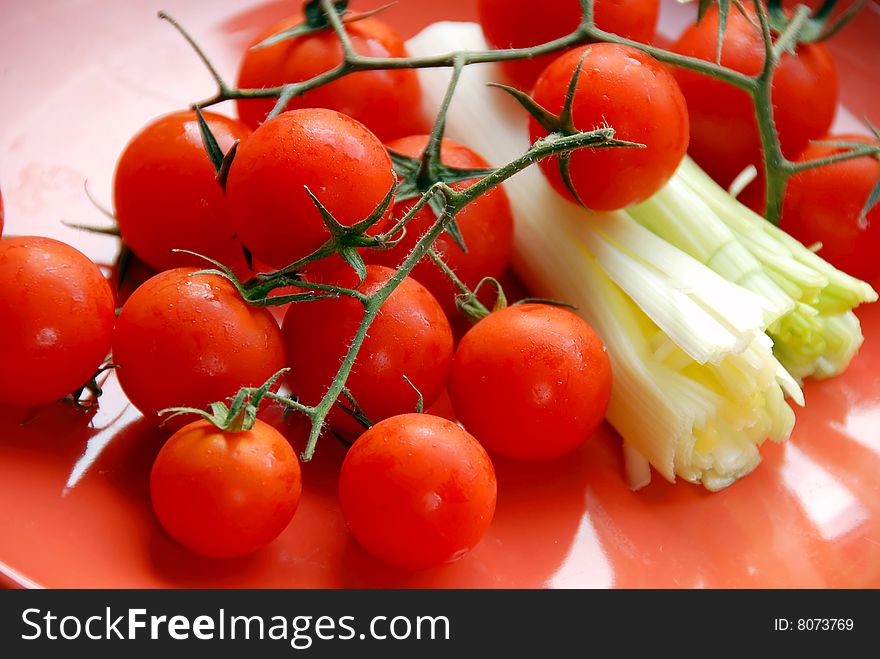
x=225 y=494
x=724 y=133
x=522 y=23
x=825 y=204
x=531 y=382
x=417 y=491
x=186 y=340
x=486 y=227
x=387 y=102
x=409 y=337
x=632 y=92
x=57 y=314
x=167 y=196
x=340 y=161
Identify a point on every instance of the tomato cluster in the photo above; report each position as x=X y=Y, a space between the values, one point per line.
x=527 y=382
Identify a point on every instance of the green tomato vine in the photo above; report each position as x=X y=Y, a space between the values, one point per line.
x=448 y=202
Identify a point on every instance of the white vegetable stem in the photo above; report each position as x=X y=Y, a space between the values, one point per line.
x=696 y=387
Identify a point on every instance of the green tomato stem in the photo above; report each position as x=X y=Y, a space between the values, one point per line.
x=859 y=152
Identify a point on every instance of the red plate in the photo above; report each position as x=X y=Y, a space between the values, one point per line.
x=78 y=79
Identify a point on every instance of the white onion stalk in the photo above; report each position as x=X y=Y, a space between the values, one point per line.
x=818 y=335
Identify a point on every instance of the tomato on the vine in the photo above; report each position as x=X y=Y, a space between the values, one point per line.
x=825 y=205
x=486 y=226
x=386 y=102
x=167 y=196
x=188 y=340
x=531 y=382
x=341 y=162
x=522 y=23
x=223 y=494
x=409 y=337
x=724 y=132
x=57 y=314
x=637 y=96
x=417 y=491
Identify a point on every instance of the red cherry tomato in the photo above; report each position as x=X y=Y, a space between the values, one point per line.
x=340 y=161
x=417 y=491
x=825 y=204
x=636 y=95
x=410 y=336
x=486 y=227
x=57 y=314
x=185 y=340
x=524 y=23
x=386 y=102
x=531 y=382
x=225 y=494
x=167 y=196
x=724 y=133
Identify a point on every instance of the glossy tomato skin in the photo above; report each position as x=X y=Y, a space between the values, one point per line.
x=387 y=102
x=724 y=133
x=57 y=313
x=410 y=336
x=185 y=340
x=486 y=226
x=524 y=23
x=336 y=157
x=824 y=205
x=636 y=95
x=531 y=382
x=223 y=494
x=167 y=196
x=417 y=491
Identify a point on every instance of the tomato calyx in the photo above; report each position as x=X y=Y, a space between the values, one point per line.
x=353 y=409
x=221 y=161
x=818 y=27
x=317 y=20
x=421 y=175
x=344 y=240
x=469 y=305
x=239 y=416
x=562 y=125
x=418 y=175
x=256 y=291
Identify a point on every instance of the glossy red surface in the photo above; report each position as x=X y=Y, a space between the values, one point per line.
x=80 y=78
